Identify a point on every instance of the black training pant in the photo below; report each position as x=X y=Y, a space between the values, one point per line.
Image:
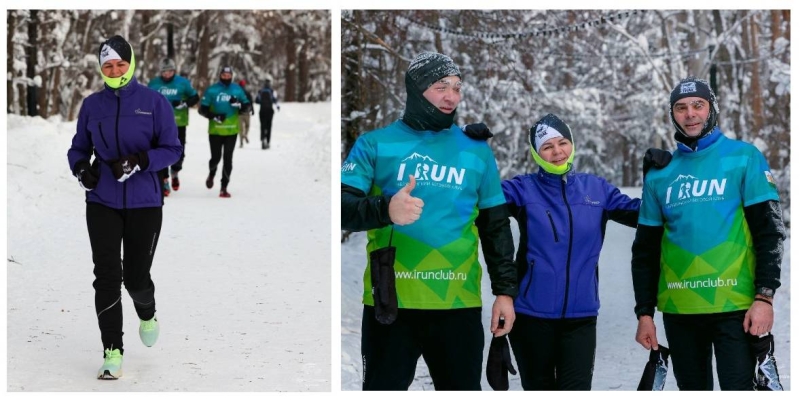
x=218 y=143
x=138 y=231
x=554 y=354
x=450 y=341
x=176 y=167
x=690 y=338
x=266 y=123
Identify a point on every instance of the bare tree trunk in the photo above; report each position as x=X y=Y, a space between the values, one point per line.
x=170 y=41
x=788 y=20
x=776 y=28
x=291 y=65
x=31 y=56
x=11 y=20
x=699 y=40
x=757 y=102
x=303 y=69
x=569 y=50
x=203 y=51
x=55 y=93
x=145 y=54
x=728 y=79
x=47 y=72
x=351 y=96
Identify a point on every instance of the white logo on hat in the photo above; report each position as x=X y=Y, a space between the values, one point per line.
x=108 y=53
x=543 y=134
x=688 y=87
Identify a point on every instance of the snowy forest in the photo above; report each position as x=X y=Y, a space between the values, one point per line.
x=52 y=54
x=607 y=73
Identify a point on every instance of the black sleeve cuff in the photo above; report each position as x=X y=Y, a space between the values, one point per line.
x=494 y=230
x=361 y=212
x=765 y=221
x=204 y=111
x=193 y=100
x=144 y=160
x=646 y=268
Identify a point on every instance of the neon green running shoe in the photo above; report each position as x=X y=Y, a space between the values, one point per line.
x=148 y=331
x=112 y=366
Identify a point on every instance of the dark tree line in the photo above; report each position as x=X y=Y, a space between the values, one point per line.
x=52 y=54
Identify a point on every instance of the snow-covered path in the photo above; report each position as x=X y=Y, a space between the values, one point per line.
x=242 y=284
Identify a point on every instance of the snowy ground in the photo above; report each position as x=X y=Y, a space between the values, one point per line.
x=619 y=361
x=242 y=284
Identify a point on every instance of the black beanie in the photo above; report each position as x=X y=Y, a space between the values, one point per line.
x=428 y=68
x=113 y=47
x=547 y=128
x=694 y=87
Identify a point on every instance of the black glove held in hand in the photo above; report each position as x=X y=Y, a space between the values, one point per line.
x=235 y=102
x=654 y=376
x=655 y=158
x=478 y=131
x=766 y=374
x=87 y=176
x=179 y=104
x=218 y=117
x=384 y=290
x=126 y=166
x=498 y=364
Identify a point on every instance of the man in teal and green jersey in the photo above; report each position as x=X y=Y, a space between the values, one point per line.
x=221 y=104
x=182 y=96
x=708 y=247
x=424 y=160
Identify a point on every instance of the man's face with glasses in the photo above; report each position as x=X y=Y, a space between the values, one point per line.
x=691 y=114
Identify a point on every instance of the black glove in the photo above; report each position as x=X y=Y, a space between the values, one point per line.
x=383 y=285
x=478 y=131
x=766 y=374
x=179 y=104
x=218 y=117
x=252 y=111
x=654 y=375
x=87 y=175
x=236 y=103
x=126 y=166
x=655 y=158
x=499 y=364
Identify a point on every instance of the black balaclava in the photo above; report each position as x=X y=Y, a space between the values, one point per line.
x=226 y=69
x=426 y=69
x=694 y=87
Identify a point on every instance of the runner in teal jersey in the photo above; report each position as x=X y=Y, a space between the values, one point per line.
x=180 y=93
x=423 y=183
x=708 y=247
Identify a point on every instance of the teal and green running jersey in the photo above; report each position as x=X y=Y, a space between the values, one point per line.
x=436 y=265
x=217 y=98
x=177 y=89
x=707 y=254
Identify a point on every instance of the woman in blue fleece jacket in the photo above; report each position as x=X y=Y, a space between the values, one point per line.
x=562 y=218
x=131 y=131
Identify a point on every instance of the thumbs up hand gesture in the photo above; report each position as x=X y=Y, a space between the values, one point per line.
x=405 y=209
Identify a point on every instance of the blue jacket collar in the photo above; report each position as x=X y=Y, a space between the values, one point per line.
x=703 y=143
x=556 y=179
